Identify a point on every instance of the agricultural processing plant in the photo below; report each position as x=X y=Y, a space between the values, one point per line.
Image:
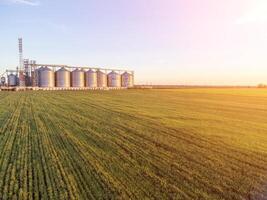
x=133 y=100
x=32 y=76
x=134 y=144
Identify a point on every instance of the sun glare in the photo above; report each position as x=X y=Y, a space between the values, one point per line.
x=257 y=13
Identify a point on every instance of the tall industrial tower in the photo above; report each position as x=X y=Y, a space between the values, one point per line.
x=20 y=55
x=21 y=65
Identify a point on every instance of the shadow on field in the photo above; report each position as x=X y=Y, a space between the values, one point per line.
x=262 y=195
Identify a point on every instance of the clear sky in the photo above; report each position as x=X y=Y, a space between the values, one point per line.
x=164 y=41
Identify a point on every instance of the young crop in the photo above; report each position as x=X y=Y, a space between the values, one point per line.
x=133 y=144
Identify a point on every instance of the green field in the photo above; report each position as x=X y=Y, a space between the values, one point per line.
x=134 y=144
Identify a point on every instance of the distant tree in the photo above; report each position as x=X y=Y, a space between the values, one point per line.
x=261 y=85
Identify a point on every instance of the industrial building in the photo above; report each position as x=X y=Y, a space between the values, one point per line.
x=33 y=76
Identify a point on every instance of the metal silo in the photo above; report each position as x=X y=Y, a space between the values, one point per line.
x=3 y=80
x=36 y=77
x=63 y=78
x=114 y=79
x=12 y=80
x=46 y=77
x=101 y=79
x=91 y=78
x=127 y=80
x=77 y=78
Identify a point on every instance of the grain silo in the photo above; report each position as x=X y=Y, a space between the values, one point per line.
x=36 y=77
x=127 y=80
x=101 y=79
x=12 y=80
x=63 y=78
x=77 y=78
x=91 y=78
x=46 y=77
x=114 y=79
x=3 y=80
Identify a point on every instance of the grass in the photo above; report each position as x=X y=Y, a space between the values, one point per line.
x=135 y=144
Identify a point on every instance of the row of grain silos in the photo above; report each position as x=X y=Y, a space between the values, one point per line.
x=79 y=78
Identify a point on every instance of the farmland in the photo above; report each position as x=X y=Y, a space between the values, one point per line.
x=135 y=144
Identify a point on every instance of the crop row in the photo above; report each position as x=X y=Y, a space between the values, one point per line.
x=101 y=146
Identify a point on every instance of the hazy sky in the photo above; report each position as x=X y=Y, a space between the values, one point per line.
x=164 y=41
